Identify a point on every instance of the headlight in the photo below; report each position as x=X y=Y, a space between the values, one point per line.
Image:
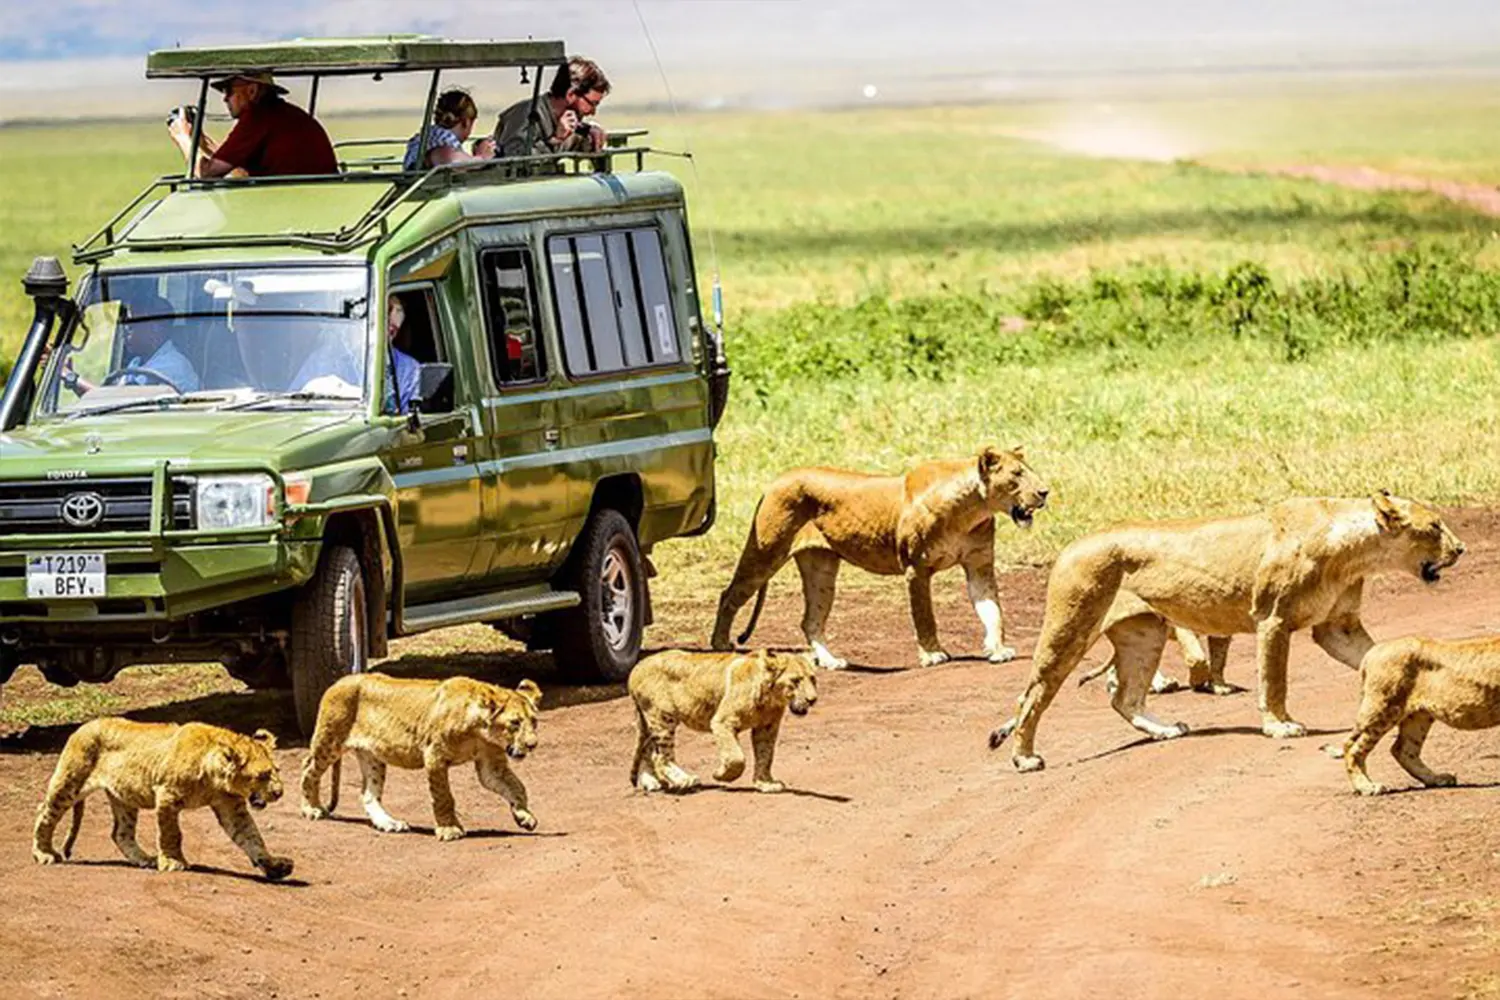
x=235 y=501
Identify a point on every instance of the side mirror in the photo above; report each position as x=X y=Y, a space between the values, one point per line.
x=434 y=388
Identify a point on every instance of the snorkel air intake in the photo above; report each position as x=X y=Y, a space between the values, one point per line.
x=47 y=285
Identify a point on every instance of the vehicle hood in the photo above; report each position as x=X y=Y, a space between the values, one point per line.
x=118 y=443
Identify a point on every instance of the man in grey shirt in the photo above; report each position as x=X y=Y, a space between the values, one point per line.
x=556 y=118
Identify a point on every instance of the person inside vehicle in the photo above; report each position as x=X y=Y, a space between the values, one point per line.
x=334 y=368
x=271 y=136
x=149 y=358
x=452 y=120
x=557 y=117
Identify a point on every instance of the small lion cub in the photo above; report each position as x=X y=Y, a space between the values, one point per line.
x=427 y=725
x=1413 y=682
x=169 y=768
x=719 y=693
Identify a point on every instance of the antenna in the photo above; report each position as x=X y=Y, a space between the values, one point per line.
x=713 y=251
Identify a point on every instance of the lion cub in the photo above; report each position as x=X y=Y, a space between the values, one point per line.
x=169 y=768
x=1413 y=682
x=422 y=724
x=719 y=693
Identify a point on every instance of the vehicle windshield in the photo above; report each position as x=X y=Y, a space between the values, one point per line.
x=206 y=337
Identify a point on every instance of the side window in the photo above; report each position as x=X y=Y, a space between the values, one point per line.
x=613 y=303
x=417 y=339
x=511 y=316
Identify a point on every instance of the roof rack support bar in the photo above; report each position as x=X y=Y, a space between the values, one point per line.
x=312 y=95
x=536 y=95
x=427 y=117
x=192 y=163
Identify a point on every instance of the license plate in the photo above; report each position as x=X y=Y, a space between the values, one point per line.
x=51 y=575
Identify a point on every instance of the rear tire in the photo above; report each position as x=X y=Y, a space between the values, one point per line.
x=330 y=634
x=601 y=637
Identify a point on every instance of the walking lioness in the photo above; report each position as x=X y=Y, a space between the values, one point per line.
x=427 y=725
x=939 y=515
x=1300 y=564
x=1412 y=683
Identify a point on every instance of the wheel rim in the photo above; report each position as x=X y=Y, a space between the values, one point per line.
x=617 y=600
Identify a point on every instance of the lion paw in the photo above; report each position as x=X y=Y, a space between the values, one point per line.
x=1441 y=781
x=390 y=825
x=166 y=864
x=524 y=819
x=1031 y=763
x=276 y=868
x=720 y=643
x=314 y=812
x=1001 y=654
x=45 y=857
x=827 y=661
x=647 y=782
x=729 y=770
x=1370 y=788
x=678 y=780
x=1162 y=684
x=446 y=833
x=770 y=787
x=932 y=657
x=1283 y=729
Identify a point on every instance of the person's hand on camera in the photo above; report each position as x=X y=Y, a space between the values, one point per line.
x=596 y=136
x=567 y=124
x=485 y=148
x=180 y=121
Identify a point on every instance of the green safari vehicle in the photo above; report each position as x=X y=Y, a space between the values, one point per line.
x=258 y=501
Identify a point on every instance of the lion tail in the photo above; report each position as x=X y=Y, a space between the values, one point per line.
x=760 y=602
x=1094 y=674
x=73 y=830
x=334 y=774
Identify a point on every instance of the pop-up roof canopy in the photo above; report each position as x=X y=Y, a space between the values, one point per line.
x=346 y=56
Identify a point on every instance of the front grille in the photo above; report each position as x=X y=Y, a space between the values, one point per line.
x=35 y=507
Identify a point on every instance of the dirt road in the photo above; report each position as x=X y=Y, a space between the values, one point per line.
x=909 y=861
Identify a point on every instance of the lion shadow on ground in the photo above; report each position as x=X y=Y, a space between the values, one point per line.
x=806 y=793
x=470 y=833
x=192 y=869
x=1146 y=741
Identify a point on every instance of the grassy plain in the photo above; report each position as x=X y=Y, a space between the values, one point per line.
x=1140 y=402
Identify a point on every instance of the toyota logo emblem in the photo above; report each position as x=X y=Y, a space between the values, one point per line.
x=83 y=510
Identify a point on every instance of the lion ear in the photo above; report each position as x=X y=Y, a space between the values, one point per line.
x=1019 y=451
x=265 y=737
x=989 y=460
x=527 y=689
x=770 y=663
x=224 y=762
x=1387 y=513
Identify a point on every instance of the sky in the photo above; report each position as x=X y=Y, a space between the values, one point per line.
x=60 y=56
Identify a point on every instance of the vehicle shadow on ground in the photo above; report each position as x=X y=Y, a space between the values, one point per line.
x=470 y=833
x=273 y=710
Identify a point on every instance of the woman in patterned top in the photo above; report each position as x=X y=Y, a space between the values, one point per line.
x=452 y=120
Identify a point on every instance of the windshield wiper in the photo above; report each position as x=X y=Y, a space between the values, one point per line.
x=302 y=396
x=161 y=402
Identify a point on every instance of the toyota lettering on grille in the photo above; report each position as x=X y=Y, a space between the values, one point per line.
x=83 y=510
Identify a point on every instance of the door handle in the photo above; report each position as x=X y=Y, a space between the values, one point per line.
x=552 y=437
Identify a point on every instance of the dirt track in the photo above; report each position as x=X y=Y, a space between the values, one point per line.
x=909 y=861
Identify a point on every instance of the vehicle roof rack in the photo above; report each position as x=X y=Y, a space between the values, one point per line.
x=350 y=56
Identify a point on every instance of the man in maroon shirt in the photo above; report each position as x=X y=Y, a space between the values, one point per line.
x=270 y=136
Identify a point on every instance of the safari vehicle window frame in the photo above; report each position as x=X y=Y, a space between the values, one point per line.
x=96 y=273
x=538 y=319
x=429 y=288
x=684 y=358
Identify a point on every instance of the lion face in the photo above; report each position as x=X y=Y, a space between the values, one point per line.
x=1011 y=485
x=792 y=680
x=247 y=770
x=512 y=719
x=1429 y=545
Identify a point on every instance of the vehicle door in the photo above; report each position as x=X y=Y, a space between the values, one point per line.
x=524 y=490
x=434 y=462
x=637 y=405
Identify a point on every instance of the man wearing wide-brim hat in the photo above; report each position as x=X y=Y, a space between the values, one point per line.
x=270 y=136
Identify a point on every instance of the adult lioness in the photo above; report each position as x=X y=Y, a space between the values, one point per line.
x=720 y=693
x=1412 y=683
x=169 y=768
x=1300 y=564
x=426 y=724
x=939 y=515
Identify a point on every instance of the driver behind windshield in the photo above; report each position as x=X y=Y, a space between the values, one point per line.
x=149 y=358
x=335 y=369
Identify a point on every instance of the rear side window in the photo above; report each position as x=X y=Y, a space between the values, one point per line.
x=613 y=304
x=511 y=315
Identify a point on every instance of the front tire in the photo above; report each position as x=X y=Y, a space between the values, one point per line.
x=330 y=634
x=601 y=637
